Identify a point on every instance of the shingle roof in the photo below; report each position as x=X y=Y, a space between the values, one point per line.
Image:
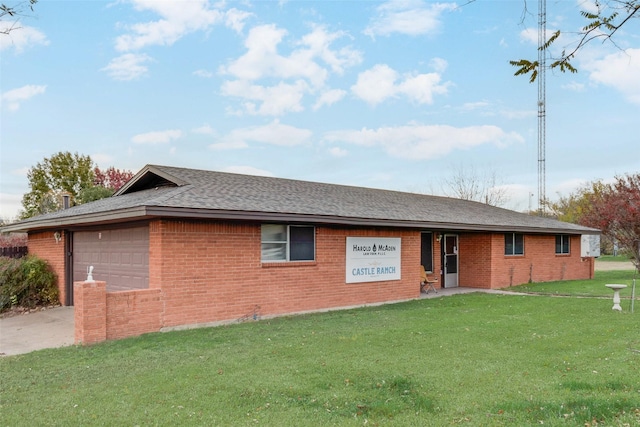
x=208 y=194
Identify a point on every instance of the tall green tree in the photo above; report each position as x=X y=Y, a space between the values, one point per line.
x=62 y=173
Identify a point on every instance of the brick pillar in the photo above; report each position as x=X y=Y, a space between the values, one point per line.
x=90 y=301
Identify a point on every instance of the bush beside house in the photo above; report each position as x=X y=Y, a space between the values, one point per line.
x=26 y=282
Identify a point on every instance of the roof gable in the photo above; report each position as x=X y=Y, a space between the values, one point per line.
x=149 y=177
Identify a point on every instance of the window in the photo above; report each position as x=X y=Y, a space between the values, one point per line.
x=282 y=242
x=426 y=251
x=513 y=244
x=562 y=244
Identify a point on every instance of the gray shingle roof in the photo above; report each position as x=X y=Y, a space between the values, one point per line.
x=209 y=194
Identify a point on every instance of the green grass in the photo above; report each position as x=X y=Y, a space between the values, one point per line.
x=474 y=360
x=593 y=287
x=611 y=258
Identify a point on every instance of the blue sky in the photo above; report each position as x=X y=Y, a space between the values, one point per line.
x=395 y=95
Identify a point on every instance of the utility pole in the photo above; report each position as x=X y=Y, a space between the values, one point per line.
x=542 y=108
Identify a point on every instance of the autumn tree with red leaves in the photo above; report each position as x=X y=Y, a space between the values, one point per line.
x=616 y=211
x=111 y=178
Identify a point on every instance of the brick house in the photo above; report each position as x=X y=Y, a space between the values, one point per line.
x=177 y=247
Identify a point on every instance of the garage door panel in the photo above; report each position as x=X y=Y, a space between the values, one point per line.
x=119 y=257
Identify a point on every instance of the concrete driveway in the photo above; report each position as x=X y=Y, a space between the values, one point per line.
x=35 y=331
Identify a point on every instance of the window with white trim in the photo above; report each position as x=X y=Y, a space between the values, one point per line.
x=562 y=244
x=281 y=242
x=513 y=244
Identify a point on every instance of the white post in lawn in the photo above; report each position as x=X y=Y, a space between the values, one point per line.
x=616 y=295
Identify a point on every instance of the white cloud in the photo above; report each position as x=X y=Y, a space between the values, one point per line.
x=329 y=97
x=161 y=137
x=376 y=84
x=421 y=142
x=411 y=17
x=14 y=97
x=338 y=152
x=127 y=67
x=273 y=101
x=619 y=70
x=177 y=20
x=421 y=87
x=318 y=44
x=301 y=72
x=439 y=65
x=204 y=130
x=274 y=133
x=262 y=59
x=574 y=86
x=588 y=5
x=382 y=82
x=20 y=37
x=235 y=19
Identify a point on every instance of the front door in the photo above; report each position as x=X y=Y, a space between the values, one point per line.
x=450 y=260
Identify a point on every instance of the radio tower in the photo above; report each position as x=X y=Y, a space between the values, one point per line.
x=542 y=100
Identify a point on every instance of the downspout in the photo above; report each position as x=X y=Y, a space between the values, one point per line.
x=68 y=267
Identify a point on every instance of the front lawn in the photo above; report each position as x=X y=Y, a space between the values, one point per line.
x=475 y=360
x=592 y=287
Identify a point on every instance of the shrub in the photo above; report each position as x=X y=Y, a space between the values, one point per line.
x=26 y=282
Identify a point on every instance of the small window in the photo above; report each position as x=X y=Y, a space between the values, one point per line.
x=513 y=244
x=426 y=251
x=282 y=242
x=562 y=244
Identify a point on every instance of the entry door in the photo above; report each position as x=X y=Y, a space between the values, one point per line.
x=450 y=260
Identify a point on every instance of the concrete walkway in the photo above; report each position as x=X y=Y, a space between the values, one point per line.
x=35 y=331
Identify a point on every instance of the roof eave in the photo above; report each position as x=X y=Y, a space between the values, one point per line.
x=149 y=212
x=99 y=218
x=351 y=221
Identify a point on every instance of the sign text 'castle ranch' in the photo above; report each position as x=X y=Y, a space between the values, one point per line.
x=369 y=271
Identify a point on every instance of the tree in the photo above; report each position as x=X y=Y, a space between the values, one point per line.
x=14 y=12
x=469 y=184
x=69 y=174
x=63 y=173
x=602 y=24
x=112 y=178
x=612 y=208
x=616 y=211
x=574 y=207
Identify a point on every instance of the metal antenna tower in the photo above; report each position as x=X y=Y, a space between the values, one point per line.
x=542 y=101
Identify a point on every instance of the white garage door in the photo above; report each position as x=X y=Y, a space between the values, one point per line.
x=119 y=257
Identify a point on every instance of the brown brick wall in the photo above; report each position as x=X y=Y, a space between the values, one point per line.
x=132 y=313
x=212 y=272
x=484 y=265
x=205 y=272
x=90 y=312
x=44 y=245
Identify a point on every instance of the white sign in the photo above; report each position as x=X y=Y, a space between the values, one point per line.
x=373 y=259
